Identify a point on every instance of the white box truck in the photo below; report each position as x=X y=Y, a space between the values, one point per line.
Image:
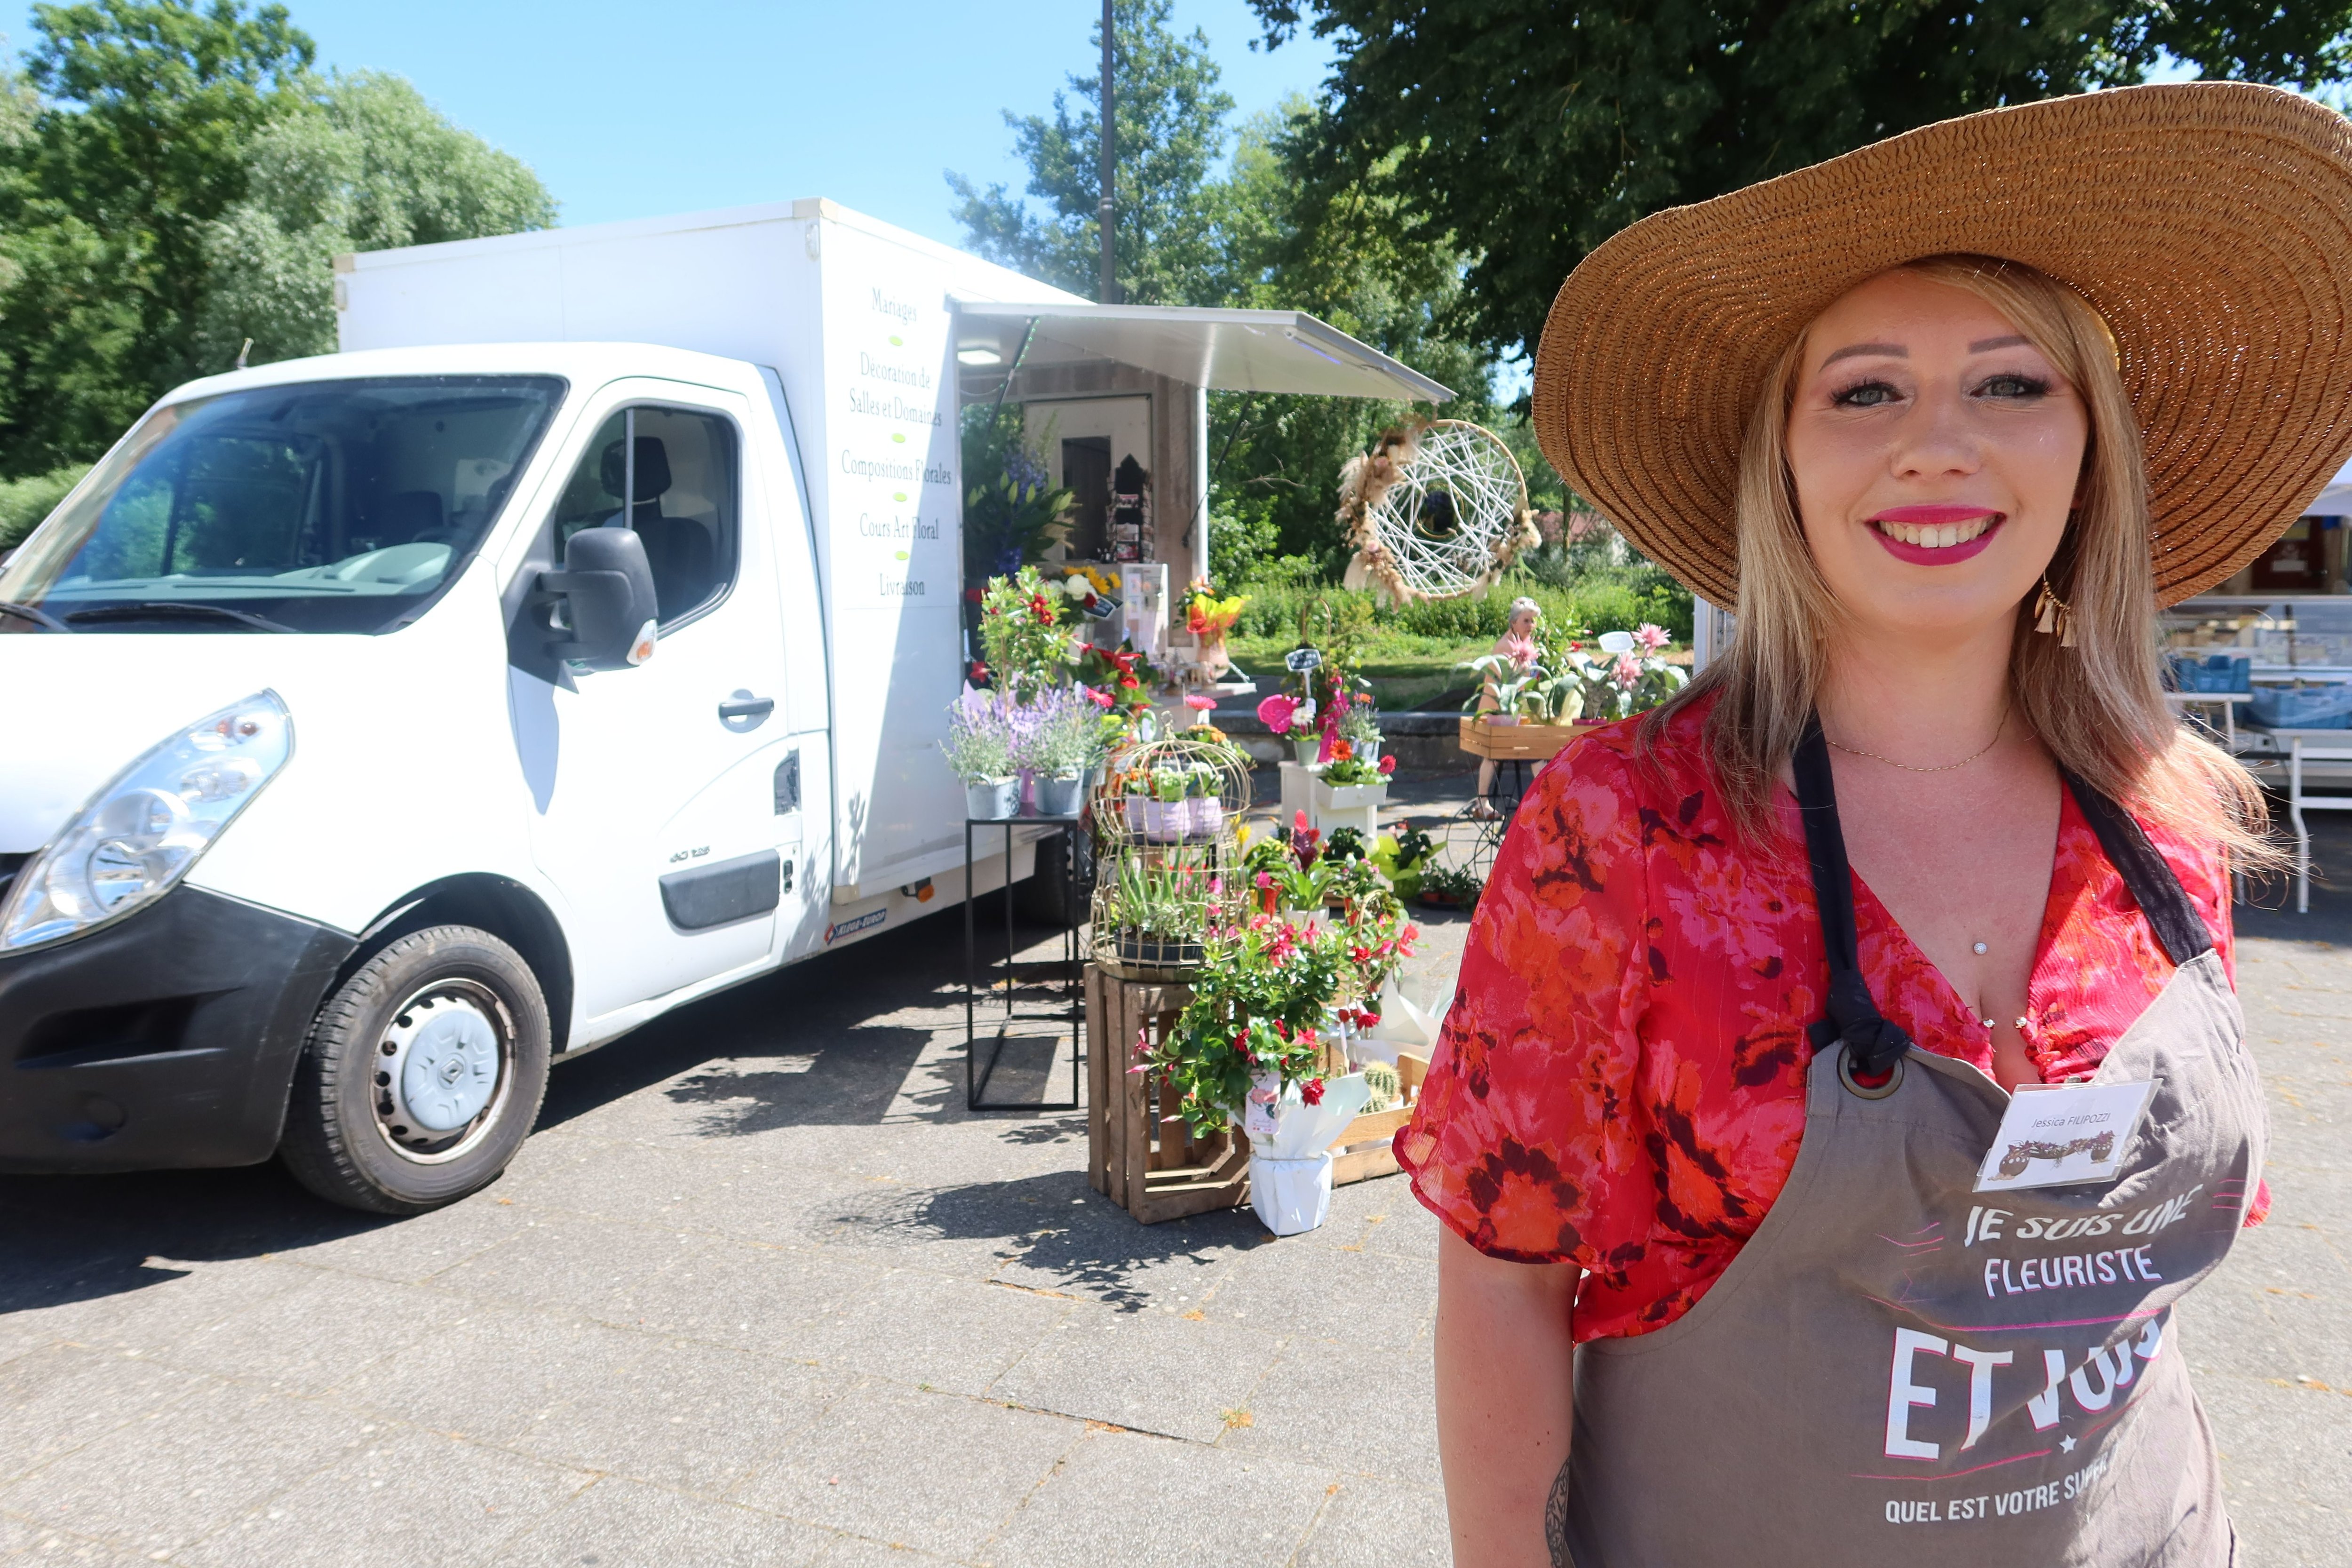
x=387 y=725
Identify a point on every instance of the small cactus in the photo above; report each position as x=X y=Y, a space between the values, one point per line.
x=1386 y=1087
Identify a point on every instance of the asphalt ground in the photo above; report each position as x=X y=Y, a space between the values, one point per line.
x=761 y=1290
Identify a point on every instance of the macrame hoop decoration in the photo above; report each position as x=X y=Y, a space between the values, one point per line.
x=1435 y=511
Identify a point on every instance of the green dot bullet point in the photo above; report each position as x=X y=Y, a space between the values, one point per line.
x=898 y=343
x=902 y=555
x=899 y=437
x=898 y=495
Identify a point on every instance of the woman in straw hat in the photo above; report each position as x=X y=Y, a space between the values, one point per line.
x=1727 y=1122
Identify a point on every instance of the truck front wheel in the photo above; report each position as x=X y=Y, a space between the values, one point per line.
x=422 y=1076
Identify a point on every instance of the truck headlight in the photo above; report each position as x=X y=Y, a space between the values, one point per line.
x=140 y=833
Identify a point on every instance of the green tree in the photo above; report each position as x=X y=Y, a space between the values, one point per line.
x=147 y=110
x=367 y=165
x=1200 y=225
x=174 y=177
x=1171 y=117
x=1526 y=131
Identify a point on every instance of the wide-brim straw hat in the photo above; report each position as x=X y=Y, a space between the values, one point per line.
x=2210 y=222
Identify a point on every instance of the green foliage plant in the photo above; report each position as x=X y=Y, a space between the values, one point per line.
x=25 y=502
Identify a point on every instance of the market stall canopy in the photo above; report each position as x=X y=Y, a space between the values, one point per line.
x=1227 y=351
x=2336 y=500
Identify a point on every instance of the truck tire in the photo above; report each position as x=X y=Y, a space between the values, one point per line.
x=1057 y=893
x=422 y=1076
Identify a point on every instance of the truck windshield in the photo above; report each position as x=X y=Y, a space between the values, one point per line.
x=318 y=506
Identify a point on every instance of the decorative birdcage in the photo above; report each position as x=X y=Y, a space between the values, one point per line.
x=1167 y=828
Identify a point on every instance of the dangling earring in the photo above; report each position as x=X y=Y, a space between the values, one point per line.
x=2051 y=613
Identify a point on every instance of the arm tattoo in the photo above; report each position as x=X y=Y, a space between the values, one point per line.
x=1556 y=1519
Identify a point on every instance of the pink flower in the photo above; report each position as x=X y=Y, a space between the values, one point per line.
x=1265 y=880
x=1388 y=766
x=1651 y=639
x=1198 y=702
x=1277 y=712
x=1627 y=671
x=1100 y=699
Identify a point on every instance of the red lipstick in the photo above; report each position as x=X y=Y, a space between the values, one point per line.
x=1942 y=516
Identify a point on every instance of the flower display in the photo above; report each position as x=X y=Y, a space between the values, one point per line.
x=1278 y=711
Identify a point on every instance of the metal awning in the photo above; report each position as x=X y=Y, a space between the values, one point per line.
x=1228 y=351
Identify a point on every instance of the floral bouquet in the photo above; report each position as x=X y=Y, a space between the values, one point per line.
x=1021 y=633
x=1258 y=1003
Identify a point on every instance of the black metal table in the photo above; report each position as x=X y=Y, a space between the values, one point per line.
x=1502 y=801
x=1068 y=985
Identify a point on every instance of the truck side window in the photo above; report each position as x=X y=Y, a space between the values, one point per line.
x=684 y=500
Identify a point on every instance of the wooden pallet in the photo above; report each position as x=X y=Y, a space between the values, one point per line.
x=1140 y=1153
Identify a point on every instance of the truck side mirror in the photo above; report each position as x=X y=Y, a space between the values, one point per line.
x=604 y=598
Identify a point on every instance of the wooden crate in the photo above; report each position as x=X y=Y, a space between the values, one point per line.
x=1140 y=1154
x=1520 y=743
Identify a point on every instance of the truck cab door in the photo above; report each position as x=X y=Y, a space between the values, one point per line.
x=658 y=812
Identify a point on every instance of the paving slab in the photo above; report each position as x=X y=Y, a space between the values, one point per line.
x=1378 y=1522
x=59 y=1399
x=1177 y=1374
x=401 y=1496
x=165 y=1482
x=1367 y=1410
x=937 y=1472
x=1156 y=1502
x=624 y=1524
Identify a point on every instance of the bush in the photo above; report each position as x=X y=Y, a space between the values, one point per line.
x=25 y=502
x=1603 y=599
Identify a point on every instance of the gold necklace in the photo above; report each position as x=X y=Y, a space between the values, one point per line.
x=1941 y=768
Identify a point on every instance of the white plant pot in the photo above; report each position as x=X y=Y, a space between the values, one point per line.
x=1350 y=797
x=1291 y=1196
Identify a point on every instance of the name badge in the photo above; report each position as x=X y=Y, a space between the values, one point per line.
x=2062 y=1135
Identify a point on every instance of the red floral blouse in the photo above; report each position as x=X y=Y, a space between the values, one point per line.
x=1621 y=1081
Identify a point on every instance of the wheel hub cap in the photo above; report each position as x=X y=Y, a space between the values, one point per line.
x=447 y=1066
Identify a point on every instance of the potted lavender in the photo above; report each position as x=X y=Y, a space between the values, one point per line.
x=1057 y=740
x=979 y=749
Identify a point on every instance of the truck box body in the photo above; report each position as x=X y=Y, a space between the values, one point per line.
x=855 y=318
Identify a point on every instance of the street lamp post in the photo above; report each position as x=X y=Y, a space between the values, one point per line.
x=1106 y=220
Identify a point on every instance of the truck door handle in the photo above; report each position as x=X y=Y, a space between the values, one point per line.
x=745 y=711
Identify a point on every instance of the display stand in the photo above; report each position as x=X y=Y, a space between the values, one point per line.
x=1066 y=982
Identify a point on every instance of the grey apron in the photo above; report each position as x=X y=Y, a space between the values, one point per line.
x=1895 y=1369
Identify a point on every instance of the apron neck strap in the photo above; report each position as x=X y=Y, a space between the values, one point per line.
x=1874 y=1042
x=2170 y=914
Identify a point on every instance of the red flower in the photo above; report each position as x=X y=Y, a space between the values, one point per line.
x=1388 y=766
x=1311 y=1090
x=979 y=671
x=1100 y=699
x=1341 y=751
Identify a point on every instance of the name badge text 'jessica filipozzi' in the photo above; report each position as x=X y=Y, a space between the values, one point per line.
x=2057 y=1135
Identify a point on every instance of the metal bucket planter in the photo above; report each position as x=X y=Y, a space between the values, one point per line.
x=1060 y=794
x=992 y=800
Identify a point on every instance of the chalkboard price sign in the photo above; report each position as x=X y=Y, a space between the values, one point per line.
x=1300 y=660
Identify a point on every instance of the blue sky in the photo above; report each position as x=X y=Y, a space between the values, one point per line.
x=637 y=110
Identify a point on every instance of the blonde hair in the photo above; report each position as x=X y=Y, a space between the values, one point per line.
x=2098 y=706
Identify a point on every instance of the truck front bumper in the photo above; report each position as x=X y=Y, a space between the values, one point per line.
x=168 y=1039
